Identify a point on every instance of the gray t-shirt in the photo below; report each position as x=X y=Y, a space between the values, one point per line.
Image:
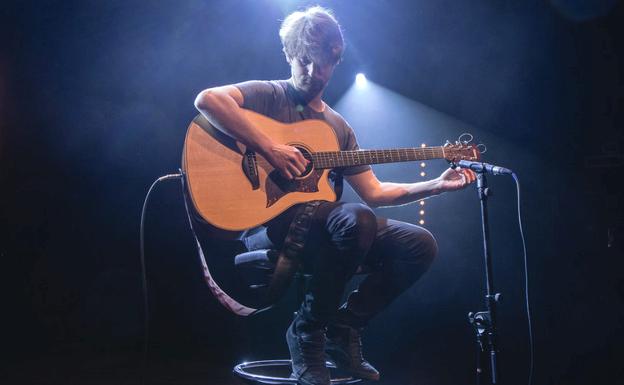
x=278 y=100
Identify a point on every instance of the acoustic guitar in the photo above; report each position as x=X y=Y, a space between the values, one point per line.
x=235 y=189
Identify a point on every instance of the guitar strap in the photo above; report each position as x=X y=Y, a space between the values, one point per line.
x=289 y=259
x=227 y=301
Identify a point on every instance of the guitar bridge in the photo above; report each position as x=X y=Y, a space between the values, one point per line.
x=250 y=169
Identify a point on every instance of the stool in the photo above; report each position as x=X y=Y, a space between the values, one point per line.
x=256 y=268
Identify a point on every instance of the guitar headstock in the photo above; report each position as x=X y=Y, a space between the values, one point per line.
x=453 y=153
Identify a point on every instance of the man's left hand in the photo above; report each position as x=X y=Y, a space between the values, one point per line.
x=456 y=179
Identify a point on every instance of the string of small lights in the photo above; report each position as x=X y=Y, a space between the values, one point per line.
x=421 y=202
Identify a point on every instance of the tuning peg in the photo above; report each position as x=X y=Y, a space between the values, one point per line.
x=467 y=138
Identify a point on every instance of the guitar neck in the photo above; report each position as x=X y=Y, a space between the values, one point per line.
x=332 y=159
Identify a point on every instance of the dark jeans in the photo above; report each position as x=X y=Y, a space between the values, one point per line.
x=348 y=236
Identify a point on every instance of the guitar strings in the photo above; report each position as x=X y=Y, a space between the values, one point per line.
x=330 y=159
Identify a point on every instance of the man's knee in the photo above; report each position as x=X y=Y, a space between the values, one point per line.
x=412 y=254
x=415 y=245
x=428 y=246
x=352 y=226
x=365 y=220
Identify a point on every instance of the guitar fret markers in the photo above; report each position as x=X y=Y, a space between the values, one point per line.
x=353 y=158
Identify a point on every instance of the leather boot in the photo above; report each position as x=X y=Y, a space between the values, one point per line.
x=344 y=348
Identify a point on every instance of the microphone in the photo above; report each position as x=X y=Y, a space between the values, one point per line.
x=484 y=167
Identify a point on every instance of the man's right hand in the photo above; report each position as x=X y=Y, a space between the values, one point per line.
x=287 y=160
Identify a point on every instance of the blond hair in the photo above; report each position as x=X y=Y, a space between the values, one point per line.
x=314 y=34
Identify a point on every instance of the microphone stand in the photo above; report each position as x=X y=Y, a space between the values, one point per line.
x=484 y=322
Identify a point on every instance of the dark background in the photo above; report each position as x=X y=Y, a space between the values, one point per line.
x=95 y=97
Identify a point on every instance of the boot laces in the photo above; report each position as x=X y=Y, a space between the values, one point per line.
x=313 y=350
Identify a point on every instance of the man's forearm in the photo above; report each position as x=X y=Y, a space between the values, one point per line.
x=222 y=108
x=225 y=114
x=396 y=194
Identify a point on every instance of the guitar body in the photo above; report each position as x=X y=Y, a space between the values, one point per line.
x=235 y=190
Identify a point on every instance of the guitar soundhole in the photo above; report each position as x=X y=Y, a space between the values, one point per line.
x=308 y=155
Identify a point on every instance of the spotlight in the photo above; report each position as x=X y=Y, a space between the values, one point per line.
x=360 y=80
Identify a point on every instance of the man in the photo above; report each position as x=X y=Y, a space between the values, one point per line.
x=344 y=236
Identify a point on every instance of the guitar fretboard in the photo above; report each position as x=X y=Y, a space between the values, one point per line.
x=332 y=159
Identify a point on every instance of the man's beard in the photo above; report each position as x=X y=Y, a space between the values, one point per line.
x=309 y=88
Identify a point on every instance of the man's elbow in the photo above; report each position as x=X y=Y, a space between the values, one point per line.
x=374 y=201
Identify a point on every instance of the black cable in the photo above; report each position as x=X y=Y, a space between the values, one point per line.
x=144 y=274
x=526 y=283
